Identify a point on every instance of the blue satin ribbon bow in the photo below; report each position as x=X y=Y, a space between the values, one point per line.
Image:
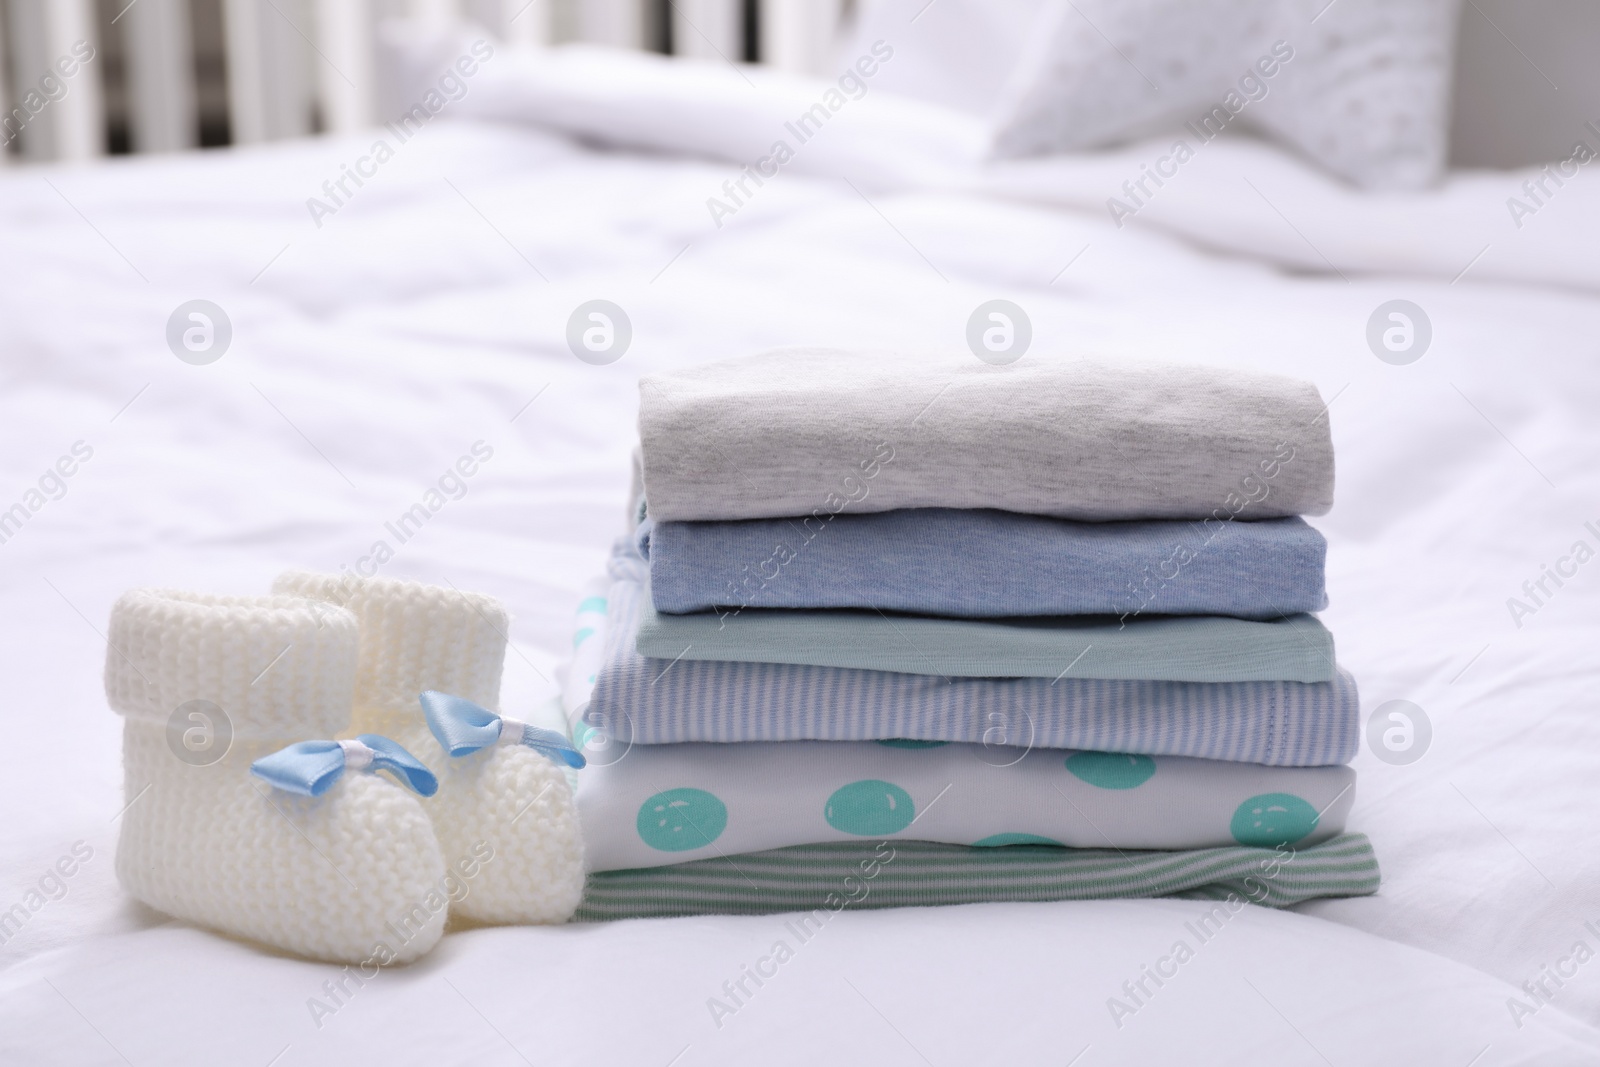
x=463 y=727
x=311 y=767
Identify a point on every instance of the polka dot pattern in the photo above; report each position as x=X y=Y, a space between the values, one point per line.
x=1001 y=840
x=870 y=808
x=1111 y=770
x=1273 y=819
x=679 y=820
x=735 y=799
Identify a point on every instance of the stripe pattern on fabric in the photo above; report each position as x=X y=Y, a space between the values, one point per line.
x=652 y=701
x=866 y=875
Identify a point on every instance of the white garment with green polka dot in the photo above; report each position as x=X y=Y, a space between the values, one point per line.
x=649 y=805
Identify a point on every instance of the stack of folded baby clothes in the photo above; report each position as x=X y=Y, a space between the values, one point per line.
x=895 y=631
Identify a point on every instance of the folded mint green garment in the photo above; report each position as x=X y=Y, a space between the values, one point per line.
x=1168 y=648
x=896 y=874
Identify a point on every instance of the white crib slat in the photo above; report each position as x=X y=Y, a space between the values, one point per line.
x=43 y=34
x=619 y=23
x=516 y=22
x=160 y=58
x=799 y=35
x=7 y=133
x=269 y=85
x=246 y=66
x=489 y=14
x=80 y=125
x=287 y=27
x=526 y=22
x=708 y=29
x=435 y=10
x=346 y=36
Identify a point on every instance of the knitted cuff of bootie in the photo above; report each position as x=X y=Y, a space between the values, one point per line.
x=414 y=637
x=209 y=684
x=503 y=809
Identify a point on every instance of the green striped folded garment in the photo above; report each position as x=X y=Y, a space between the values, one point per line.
x=896 y=874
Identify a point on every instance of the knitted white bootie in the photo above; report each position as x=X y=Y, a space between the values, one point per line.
x=207 y=685
x=507 y=805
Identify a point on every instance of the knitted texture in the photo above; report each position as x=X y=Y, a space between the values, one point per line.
x=509 y=802
x=283 y=667
x=413 y=637
x=209 y=684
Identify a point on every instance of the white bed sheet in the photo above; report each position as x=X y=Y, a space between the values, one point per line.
x=430 y=311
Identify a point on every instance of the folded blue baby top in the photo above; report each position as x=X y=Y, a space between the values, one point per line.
x=638 y=700
x=1171 y=648
x=983 y=563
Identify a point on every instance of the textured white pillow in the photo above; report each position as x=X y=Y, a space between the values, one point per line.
x=1364 y=90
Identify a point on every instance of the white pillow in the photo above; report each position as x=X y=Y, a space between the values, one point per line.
x=958 y=53
x=1362 y=87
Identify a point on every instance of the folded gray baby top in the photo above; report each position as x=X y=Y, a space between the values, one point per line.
x=816 y=432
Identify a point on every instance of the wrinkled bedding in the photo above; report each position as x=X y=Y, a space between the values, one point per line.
x=428 y=315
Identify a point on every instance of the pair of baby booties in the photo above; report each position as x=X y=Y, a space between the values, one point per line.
x=366 y=871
